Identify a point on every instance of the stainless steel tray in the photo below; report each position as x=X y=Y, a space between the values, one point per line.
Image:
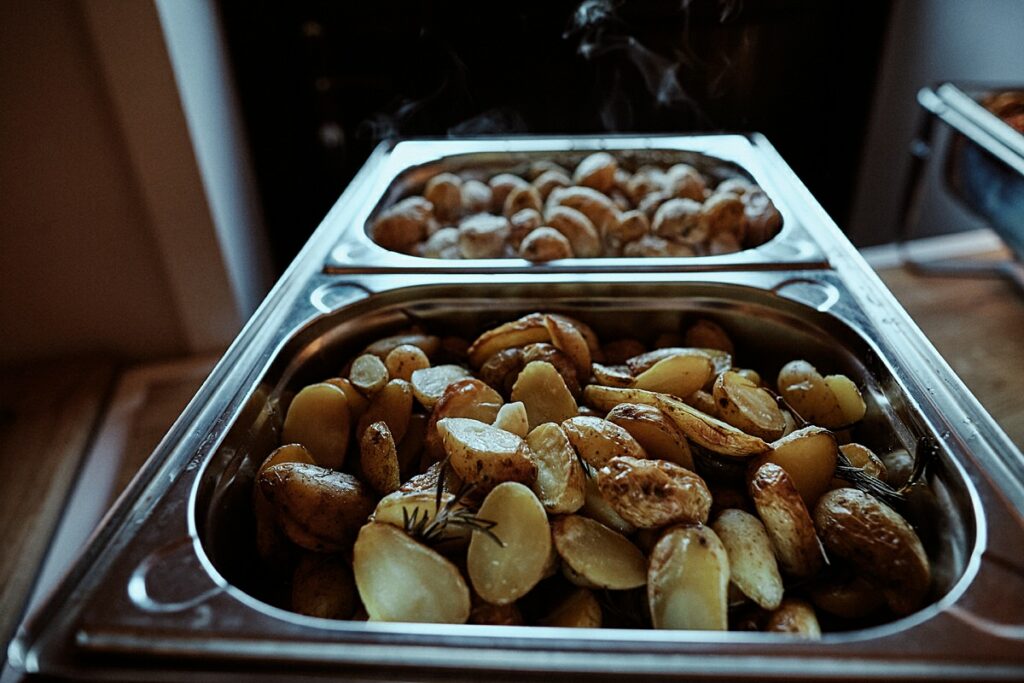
x=154 y=596
x=407 y=166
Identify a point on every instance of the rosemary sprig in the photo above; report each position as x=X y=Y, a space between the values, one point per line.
x=867 y=483
x=432 y=529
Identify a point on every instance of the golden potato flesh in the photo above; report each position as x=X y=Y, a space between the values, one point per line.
x=560 y=480
x=463 y=398
x=567 y=338
x=391 y=405
x=878 y=542
x=292 y=452
x=653 y=493
x=428 y=384
x=597 y=508
x=400 y=579
x=808 y=394
x=597 y=441
x=654 y=431
x=357 y=403
x=847 y=395
x=512 y=418
x=318 y=418
x=688 y=580
x=503 y=572
x=485 y=455
x=809 y=457
x=797 y=617
x=748 y=407
x=405 y=359
x=752 y=565
x=368 y=373
x=679 y=375
x=529 y=329
x=544 y=393
x=604 y=558
x=318 y=509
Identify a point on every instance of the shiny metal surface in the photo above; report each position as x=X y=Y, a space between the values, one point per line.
x=162 y=590
x=406 y=168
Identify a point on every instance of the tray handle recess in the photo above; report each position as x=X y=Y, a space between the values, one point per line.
x=157 y=585
x=819 y=295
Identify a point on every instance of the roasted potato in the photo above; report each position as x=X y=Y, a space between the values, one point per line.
x=688 y=580
x=604 y=558
x=485 y=455
x=653 y=493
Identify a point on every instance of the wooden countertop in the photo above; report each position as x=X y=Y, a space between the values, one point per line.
x=49 y=415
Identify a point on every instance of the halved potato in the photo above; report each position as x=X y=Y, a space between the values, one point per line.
x=318 y=418
x=795 y=616
x=560 y=482
x=427 y=343
x=368 y=374
x=706 y=333
x=529 y=329
x=688 y=580
x=604 y=558
x=807 y=393
x=566 y=337
x=403 y=360
x=597 y=441
x=612 y=375
x=786 y=520
x=391 y=405
x=752 y=566
x=579 y=610
x=863 y=458
x=485 y=455
x=544 y=394
x=679 y=375
x=702 y=429
x=809 y=457
x=318 y=509
x=512 y=418
x=417 y=507
x=654 y=431
x=878 y=542
x=356 y=401
x=653 y=493
x=428 y=384
x=851 y=403
x=746 y=406
x=503 y=573
x=378 y=458
x=463 y=398
x=402 y=580
x=597 y=508
x=643 y=362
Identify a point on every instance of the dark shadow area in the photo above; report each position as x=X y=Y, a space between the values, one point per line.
x=322 y=83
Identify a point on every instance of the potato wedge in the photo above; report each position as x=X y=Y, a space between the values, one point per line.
x=597 y=508
x=678 y=375
x=688 y=580
x=291 y=452
x=809 y=457
x=559 y=485
x=847 y=395
x=323 y=586
x=512 y=418
x=612 y=375
x=807 y=393
x=653 y=493
x=319 y=419
x=567 y=338
x=654 y=431
x=400 y=579
x=484 y=455
x=878 y=542
x=785 y=518
x=795 y=616
x=378 y=458
x=368 y=374
x=463 y=398
x=702 y=429
x=391 y=405
x=560 y=360
x=752 y=566
x=318 y=509
x=604 y=558
x=356 y=401
x=597 y=441
x=746 y=406
x=544 y=394
x=529 y=329
x=865 y=459
x=503 y=573
x=405 y=359
x=428 y=384
x=579 y=610
x=643 y=362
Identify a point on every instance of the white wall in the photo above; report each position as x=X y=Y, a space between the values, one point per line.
x=128 y=222
x=929 y=41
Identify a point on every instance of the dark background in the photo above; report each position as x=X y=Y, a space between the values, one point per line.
x=322 y=83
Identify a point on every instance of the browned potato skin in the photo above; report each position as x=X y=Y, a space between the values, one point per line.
x=402 y=226
x=562 y=363
x=679 y=219
x=654 y=493
x=878 y=542
x=501 y=370
x=577 y=228
x=597 y=441
x=476 y=197
x=501 y=186
x=323 y=586
x=464 y=398
x=427 y=343
x=579 y=610
x=549 y=181
x=444 y=191
x=851 y=597
x=319 y=509
x=393 y=406
x=528 y=329
x=786 y=520
x=797 y=617
x=597 y=171
x=545 y=244
x=654 y=431
x=523 y=197
x=594 y=205
x=523 y=223
x=378 y=458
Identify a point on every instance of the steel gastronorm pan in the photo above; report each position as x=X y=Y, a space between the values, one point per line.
x=172 y=589
x=404 y=169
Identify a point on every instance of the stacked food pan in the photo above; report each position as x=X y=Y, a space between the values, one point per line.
x=168 y=585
